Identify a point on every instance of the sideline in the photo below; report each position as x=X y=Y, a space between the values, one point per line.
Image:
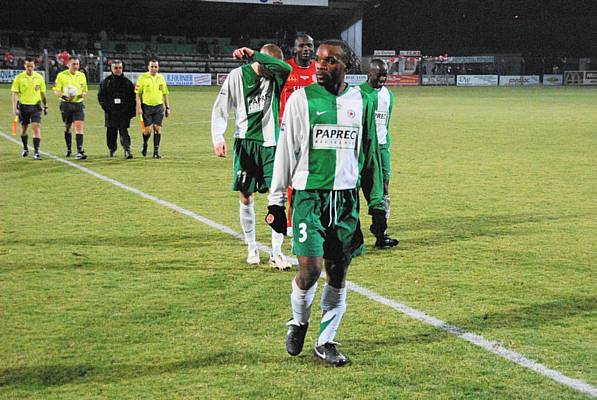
x=470 y=337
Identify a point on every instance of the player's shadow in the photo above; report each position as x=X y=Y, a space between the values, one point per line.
x=58 y=375
x=463 y=228
x=33 y=169
x=149 y=241
x=529 y=317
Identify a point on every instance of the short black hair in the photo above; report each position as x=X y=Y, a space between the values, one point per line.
x=347 y=53
x=303 y=36
x=378 y=63
x=71 y=58
x=29 y=59
x=153 y=59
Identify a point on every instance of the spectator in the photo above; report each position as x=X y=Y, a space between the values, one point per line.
x=8 y=59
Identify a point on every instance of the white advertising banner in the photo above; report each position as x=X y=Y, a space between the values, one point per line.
x=477 y=80
x=355 y=79
x=384 y=52
x=580 y=77
x=174 y=78
x=519 y=80
x=320 y=3
x=553 y=80
x=443 y=80
x=8 y=75
x=590 y=78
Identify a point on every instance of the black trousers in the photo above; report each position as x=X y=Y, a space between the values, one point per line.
x=125 y=139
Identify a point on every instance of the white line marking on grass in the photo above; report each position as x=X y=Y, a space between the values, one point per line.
x=470 y=337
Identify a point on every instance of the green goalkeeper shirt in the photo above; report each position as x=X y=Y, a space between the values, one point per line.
x=326 y=143
x=255 y=99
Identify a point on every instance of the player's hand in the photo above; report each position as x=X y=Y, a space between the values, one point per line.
x=276 y=218
x=220 y=149
x=15 y=111
x=378 y=223
x=242 y=52
x=45 y=110
x=168 y=112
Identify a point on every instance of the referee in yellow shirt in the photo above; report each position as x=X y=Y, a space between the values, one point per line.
x=71 y=87
x=152 y=104
x=28 y=94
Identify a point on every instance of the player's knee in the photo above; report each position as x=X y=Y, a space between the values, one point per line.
x=246 y=198
x=336 y=271
x=308 y=275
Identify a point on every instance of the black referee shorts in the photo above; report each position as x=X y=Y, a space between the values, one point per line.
x=153 y=115
x=72 y=112
x=29 y=113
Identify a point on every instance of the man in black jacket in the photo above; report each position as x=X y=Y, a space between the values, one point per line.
x=117 y=98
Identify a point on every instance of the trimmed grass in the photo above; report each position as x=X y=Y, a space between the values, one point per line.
x=104 y=294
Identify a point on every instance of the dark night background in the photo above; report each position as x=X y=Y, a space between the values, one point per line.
x=456 y=27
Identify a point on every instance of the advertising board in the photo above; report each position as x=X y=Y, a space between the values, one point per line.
x=519 y=80
x=477 y=80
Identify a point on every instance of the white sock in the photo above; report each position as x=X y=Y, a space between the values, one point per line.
x=277 y=240
x=386 y=202
x=333 y=305
x=247 y=223
x=301 y=301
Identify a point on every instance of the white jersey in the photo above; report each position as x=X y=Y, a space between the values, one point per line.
x=384 y=100
x=255 y=99
x=325 y=142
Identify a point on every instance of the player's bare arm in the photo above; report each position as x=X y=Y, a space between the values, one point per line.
x=167 y=109
x=242 y=52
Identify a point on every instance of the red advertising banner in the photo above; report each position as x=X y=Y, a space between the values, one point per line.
x=403 y=80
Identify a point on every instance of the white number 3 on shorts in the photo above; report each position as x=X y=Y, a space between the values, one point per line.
x=303 y=232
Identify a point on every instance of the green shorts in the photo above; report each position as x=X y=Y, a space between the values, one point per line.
x=384 y=151
x=326 y=223
x=253 y=166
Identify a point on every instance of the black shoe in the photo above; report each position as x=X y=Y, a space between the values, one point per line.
x=128 y=155
x=25 y=153
x=36 y=156
x=156 y=155
x=386 y=242
x=330 y=354
x=68 y=153
x=144 y=150
x=81 y=155
x=295 y=338
x=112 y=153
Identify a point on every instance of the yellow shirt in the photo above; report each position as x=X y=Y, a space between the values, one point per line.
x=29 y=88
x=151 y=89
x=77 y=80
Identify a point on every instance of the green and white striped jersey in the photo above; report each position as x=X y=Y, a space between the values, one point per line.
x=326 y=143
x=256 y=101
x=384 y=101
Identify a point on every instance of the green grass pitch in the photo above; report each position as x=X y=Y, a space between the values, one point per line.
x=106 y=295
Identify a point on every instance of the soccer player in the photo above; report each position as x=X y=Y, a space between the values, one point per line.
x=71 y=87
x=152 y=105
x=328 y=143
x=253 y=90
x=383 y=100
x=28 y=94
x=303 y=74
x=116 y=96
